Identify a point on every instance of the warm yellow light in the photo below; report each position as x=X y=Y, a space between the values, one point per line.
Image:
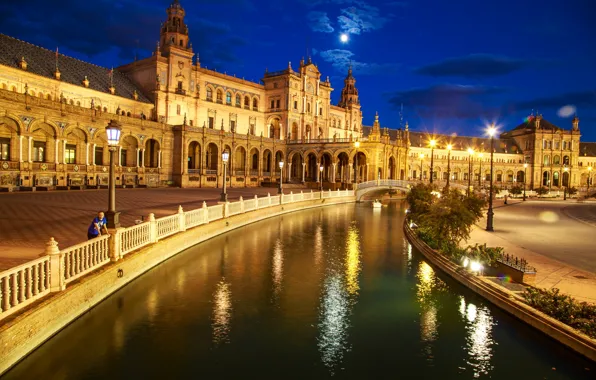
x=525 y=165
x=589 y=168
x=470 y=150
x=480 y=154
x=357 y=144
x=449 y=146
x=433 y=143
x=565 y=169
x=491 y=130
x=421 y=155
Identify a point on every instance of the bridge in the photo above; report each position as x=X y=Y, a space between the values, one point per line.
x=393 y=184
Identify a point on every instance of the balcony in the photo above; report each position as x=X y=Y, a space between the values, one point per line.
x=180 y=91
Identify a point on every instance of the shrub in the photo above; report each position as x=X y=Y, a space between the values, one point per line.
x=484 y=254
x=572 y=190
x=579 y=315
x=515 y=190
x=541 y=191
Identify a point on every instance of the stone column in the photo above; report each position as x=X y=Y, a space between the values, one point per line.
x=333 y=173
x=137 y=157
x=159 y=159
x=366 y=174
x=143 y=157
x=30 y=144
x=289 y=172
x=303 y=171
x=93 y=155
x=56 y=151
x=87 y=154
x=21 y=148
x=64 y=151
x=319 y=179
x=119 y=156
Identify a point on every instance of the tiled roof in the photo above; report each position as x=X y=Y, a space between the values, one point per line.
x=42 y=62
x=587 y=149
x=502 y=145
x=531 y=125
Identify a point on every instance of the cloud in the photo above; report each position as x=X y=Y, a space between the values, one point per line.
x=581 y=100
x=319 y=22
x=449 y=101
x=93 y=29
x=361 y=18
x=341 y=59
x=473 y=66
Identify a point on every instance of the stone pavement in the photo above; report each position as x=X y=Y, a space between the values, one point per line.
x=28 y=220
x=550 y=272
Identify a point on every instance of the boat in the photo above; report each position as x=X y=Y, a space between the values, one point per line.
x=377 y=204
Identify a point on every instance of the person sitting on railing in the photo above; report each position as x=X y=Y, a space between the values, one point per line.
x=97 y=224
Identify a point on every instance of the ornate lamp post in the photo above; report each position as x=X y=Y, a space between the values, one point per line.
x=565 y=183
x=448 y=167
x=421 y=155
x=281 y=177
x=356 y=145
x=489 y=215
x=113 y=131
x=432 y=144
x=589 y=180
x=224 y=157
x=321 y=168
x=525 y=167
x=471 y=153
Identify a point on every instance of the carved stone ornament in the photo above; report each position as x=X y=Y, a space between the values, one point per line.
x=104 y=169
x=76 y=168
x=5 y=165
x=44 y=167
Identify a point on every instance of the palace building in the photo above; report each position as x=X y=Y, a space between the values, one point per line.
x=178 y=117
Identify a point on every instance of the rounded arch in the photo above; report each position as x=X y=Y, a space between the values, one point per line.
x=237 y=99
x=240 y=160
x=152 y=150
x=246 y=101
x=194 y=155
x=311 y=151
x=209 y=92
x=294 y=134
x=212 y=157
x=76 y=134
x=254 y=161
x=391 y=168
x=4 y=86
x=326 y=161
x=295 y=157
x=339 y=152
x=219 y=95
x=267 y=163
x=69 y=129
x=46 y=126
x=228 y=97
x=274 y=123
x=12 y=123
x=255 y=103
x=293 y=153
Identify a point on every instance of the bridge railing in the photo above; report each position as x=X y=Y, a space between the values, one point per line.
x=54 y=271
x=385 y=183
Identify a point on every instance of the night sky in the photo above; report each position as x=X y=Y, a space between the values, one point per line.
x=454 y=65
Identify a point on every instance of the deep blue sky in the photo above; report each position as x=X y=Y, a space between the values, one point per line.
x=455 y=65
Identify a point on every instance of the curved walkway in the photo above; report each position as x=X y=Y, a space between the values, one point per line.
x=561 y=248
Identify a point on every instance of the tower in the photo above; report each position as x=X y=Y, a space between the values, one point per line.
x=174 y=32
x=349 y=94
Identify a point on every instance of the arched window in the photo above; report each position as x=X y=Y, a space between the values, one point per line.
x=13 y=89
x=105 y=109
x=556 y=179
x=228 y=98
x=545 y=178
x=255 y=104
x=4 y=86
x=219 y=96
x=209 y=94
x=128 y=114
x=308 y=107
x=546 y=159
x=238 y=100
x=71 y=102
x=565 y=160
x=78 y=104
x=49 y=97
x=556 y=160
x=246 y=102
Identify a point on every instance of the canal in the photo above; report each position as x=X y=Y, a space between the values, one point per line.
x=335 y=292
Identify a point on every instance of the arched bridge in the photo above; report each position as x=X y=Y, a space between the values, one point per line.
x=393 y=184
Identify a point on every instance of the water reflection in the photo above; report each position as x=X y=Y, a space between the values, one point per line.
x=318 y=245
x=334 y=323
x=479 y=340
x=222 y=312
x=277 y=267
x=353 y=260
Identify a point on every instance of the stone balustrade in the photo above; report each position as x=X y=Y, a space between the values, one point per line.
x=29 y=282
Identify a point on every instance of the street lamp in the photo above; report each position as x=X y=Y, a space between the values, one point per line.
x=432 y=159
x=471 y=153
x=281 y=177
x=224 y=157
x=565 y=184
x=356 y=145
x=480 y=156
x=525 y=167
x=448 y=167
x=489 y=215
x=421 y=155
x=321 y=170
x=113 y=131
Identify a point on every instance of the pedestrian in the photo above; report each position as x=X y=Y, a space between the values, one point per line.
x=95 y=228
x=505 y=198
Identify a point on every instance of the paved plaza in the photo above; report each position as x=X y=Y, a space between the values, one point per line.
x=556 y=237
x=28 y=220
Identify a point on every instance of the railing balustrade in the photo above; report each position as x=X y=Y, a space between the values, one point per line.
x=22 y=285
x=85 y=257
x=26 y=283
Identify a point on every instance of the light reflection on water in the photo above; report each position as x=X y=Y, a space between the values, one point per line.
x=331 y=292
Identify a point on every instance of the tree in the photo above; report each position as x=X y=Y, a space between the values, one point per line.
x=541 y=191
x=450 y=218
x=572 y=190
x=420 y=198
x=515 y=190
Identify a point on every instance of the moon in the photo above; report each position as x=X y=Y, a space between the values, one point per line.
x=343 y=38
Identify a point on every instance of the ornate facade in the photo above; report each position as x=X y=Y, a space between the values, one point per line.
x=178 y=117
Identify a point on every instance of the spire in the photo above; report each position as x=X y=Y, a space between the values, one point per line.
x=349 y=94
x=174 y=32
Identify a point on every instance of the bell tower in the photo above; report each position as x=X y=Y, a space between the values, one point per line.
x=349 y=94
x=174 y=32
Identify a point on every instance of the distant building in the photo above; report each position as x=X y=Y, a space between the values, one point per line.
x=178 y=117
